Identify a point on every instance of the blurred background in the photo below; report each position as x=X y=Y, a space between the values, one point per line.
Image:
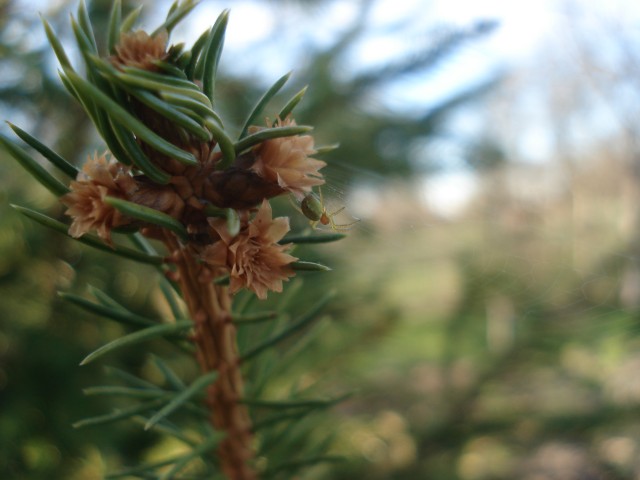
x=488 y=299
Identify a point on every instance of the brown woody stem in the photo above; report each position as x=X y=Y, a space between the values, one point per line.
x=215 y=338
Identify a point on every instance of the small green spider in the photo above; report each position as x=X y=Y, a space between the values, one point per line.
x=313 y=208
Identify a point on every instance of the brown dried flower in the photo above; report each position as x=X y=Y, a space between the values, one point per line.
x=139 y=49
x=254 y=258
x=100 y=177
x=286 y=161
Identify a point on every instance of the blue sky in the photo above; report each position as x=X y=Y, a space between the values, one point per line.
x=258 y=30
x=277 y=33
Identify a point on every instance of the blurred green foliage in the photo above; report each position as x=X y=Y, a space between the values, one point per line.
x=492 y=347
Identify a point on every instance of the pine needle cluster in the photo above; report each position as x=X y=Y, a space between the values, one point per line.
x=194 y=201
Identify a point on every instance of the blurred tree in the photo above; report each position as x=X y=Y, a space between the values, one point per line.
x=345 y=101
x=607 y=47
x=40 y=340
x=532 y=376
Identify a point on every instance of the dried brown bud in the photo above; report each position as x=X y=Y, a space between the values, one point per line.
x=286 y=162
x=161 y=198
x=100 y=177
x=139 y=49
x=238 y=188
x=253 y=258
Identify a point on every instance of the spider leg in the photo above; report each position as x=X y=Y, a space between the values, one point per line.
x=336 y=212
x=342 y=227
